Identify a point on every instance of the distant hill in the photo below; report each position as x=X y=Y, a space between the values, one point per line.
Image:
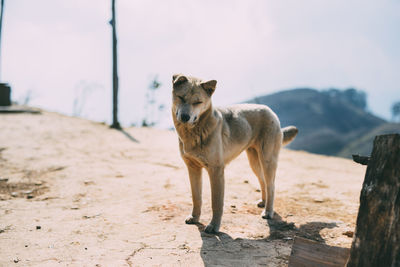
x=363 y=144
x=331 y=122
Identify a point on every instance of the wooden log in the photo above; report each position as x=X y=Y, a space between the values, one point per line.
x=377 y=237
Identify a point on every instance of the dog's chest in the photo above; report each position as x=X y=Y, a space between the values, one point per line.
x=194 y=154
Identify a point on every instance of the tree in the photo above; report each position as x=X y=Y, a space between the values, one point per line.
x=352 y=96
x=356 y=97
x=396 y=111
x=115 y=123
x=151 y=106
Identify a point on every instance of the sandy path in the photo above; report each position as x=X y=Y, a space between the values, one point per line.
x=104 y=199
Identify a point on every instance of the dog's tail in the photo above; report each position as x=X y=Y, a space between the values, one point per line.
x=289 y=133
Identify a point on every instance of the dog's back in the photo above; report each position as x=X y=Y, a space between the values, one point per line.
x=243 y=120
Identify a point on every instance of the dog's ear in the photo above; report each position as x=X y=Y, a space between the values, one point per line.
x=178 y=79
x=209 y=86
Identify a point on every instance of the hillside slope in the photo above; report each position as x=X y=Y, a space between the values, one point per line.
x=363 y=145
x=326 y=122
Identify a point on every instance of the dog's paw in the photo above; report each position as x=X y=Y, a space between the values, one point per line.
x=211 y=229
x=191 y=219
x=261 y=203
x=267 y=214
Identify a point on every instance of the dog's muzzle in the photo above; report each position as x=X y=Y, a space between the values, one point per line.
x=184 y=118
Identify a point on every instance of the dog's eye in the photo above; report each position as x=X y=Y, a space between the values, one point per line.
x=181 y=98
x=197 y=103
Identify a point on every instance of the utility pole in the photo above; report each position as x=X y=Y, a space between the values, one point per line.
x=1 y=26
x=5 y=89
x=115 y=123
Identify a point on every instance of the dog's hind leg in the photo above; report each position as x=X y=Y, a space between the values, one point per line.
x=254 y=162
x=196 y=186
x=269 y=163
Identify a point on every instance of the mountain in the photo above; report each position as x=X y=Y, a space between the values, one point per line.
x=328 y=121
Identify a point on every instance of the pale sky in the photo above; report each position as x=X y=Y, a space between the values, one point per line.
x=56 y=48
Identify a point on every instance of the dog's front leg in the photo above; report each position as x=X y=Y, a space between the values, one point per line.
x=217 y=198
x=195 y=184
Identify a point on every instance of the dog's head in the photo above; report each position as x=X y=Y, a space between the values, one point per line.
x=191 y=97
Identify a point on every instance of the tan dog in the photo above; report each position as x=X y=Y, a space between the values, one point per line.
x=211 y=137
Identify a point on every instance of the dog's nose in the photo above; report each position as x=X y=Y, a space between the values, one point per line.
x=185 y=117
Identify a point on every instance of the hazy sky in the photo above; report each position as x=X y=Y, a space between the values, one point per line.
x=60 y=50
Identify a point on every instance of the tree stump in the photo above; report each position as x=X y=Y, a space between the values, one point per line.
x=377 y=236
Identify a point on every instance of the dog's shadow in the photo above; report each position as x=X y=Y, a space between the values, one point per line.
x=222 y=250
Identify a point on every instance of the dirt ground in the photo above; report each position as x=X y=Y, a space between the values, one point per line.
x=76 y=193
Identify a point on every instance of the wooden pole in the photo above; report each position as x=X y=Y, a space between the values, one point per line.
x=377 y=237
x=115 y=123
x=1 y=27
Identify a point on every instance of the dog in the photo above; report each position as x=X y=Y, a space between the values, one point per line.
x=211 y=137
